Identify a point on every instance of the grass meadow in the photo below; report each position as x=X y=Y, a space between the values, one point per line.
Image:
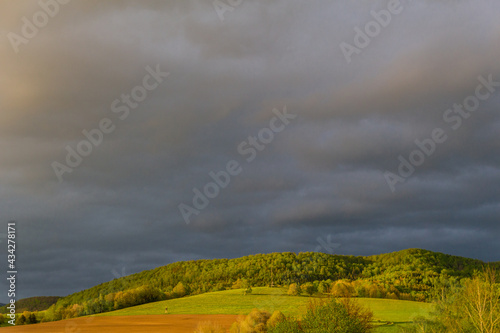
x=388 y=313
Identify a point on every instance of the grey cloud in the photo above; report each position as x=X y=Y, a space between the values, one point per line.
x=324 y=174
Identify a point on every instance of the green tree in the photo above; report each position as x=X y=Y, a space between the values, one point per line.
x=287 y=326
x=179 y=290
x=294 y=290
x=21 y=320
x=323 y=287
x=474 y=307
x=237 y=284
x=276 y=317
x=337 y=317
x=245 y=284
x=254 y=322
x=308 y=288
x=32 y=319
x=342 y=289
x=481 y=302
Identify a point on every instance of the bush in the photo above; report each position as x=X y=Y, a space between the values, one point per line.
x=258 y=320
x=337 y=316
x=21 y=320
x=31 y=319
x=237 y=284
x=255 y=322
x=277 y=317
x=423 y=325
x=323 y=287
x=308 y=288
x=334 y=316
x=209 y=327
x=294 y=290
x=342 y=289
x=286 y=327
x=248 y=291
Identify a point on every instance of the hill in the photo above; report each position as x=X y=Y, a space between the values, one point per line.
x=234 y=302
x=31 y=304
x=265 y=298
x=412 y=274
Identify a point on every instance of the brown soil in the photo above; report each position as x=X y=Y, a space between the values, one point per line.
x=128 y=324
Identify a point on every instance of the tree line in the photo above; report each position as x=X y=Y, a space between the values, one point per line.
x=412 y=274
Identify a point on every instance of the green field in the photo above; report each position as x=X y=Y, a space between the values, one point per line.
x=385 y=311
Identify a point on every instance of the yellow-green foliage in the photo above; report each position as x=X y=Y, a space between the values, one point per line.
x=410 y=274
x=179 y=290
x=294 y=290
x=276 y=317
x=474 y=307
x=255 y=322
x=342 y=288
x=209 y=327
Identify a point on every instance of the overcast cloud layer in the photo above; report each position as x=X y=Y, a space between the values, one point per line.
x=324 y=174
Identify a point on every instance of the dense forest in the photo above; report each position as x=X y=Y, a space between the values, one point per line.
x=31 y=304
x=412 y=274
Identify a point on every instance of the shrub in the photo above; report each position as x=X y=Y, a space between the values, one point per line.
x=32 y=319
x=323 y=287
x=294 y=290
x=277 y=317
x=423 y=325
x=258 y=319
x=286 y=327
x=308 y=288
x=337 y=316
x=21 y=320
x=248 y=291
x=237 y=284
x=209 y=327
x=255 y=322
x=342 y=289
x=392 y=296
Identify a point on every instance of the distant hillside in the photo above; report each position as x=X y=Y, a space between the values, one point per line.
x=38 y=303
x=423 y=260
x=412 y=274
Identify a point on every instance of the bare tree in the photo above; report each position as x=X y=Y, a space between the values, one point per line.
x=481 y=302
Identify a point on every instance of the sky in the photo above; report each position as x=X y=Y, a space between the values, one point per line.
x=134 y=134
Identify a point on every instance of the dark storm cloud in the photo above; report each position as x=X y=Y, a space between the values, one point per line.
x=117 y=213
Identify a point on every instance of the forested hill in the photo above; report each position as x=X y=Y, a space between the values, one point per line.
x=423 y=260
x=408 y=274
x=38 y=303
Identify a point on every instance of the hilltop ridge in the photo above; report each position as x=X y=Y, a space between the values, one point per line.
x=413 y=274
